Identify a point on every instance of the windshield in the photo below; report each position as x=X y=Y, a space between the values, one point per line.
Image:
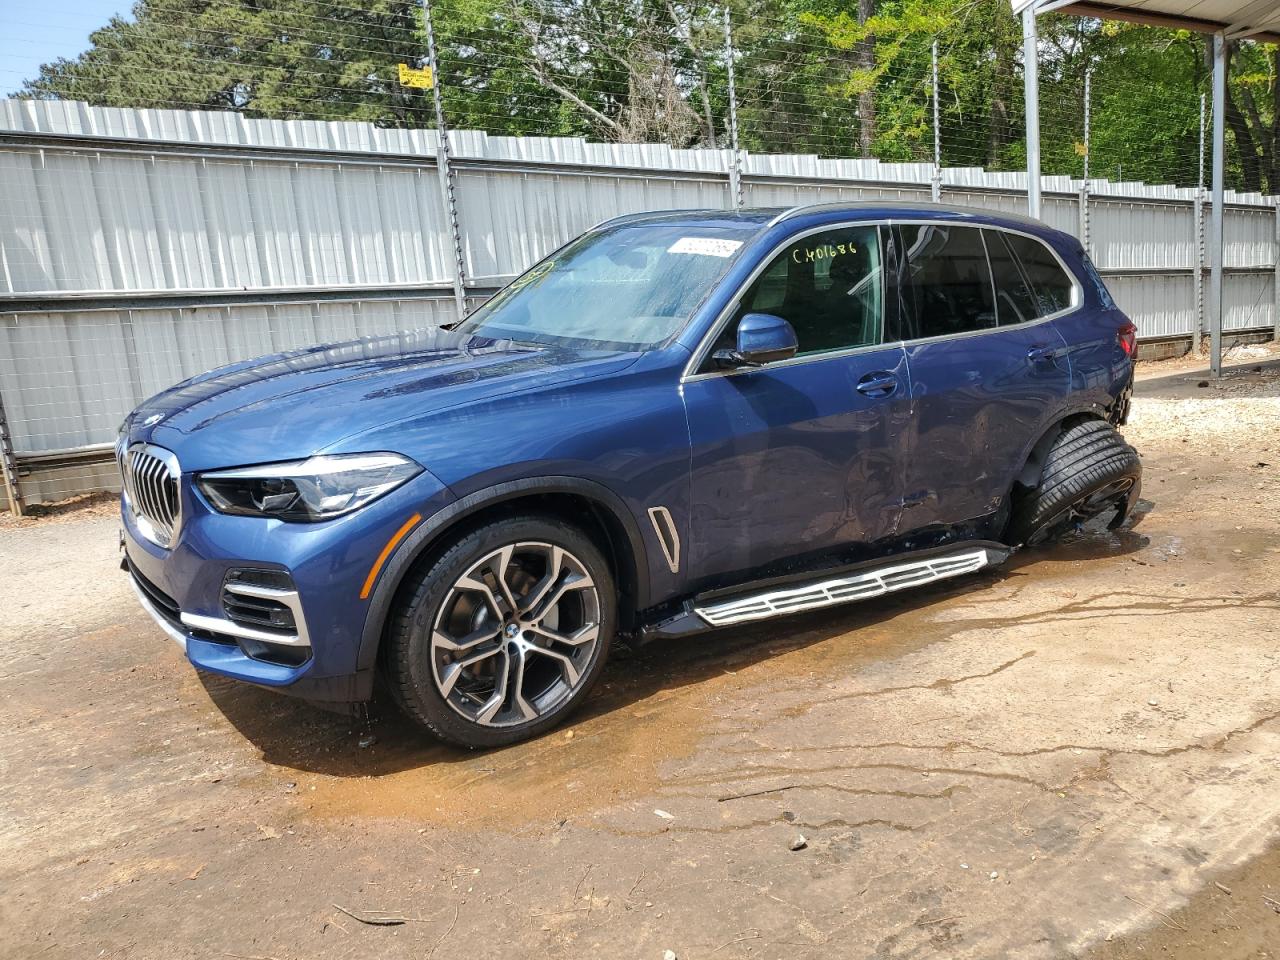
x=627 y=287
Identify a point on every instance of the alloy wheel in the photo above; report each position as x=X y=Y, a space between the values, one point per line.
x=515 y=634
x=1110 y=497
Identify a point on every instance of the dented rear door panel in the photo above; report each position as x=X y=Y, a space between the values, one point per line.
x=978 y=401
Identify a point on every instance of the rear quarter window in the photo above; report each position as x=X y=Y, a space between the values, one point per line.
x=1095 y=278
x=1051 y=283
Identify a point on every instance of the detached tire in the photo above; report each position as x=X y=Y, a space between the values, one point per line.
x=505 y=634
x=1089 y=471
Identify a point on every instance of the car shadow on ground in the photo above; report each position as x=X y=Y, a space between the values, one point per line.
x=296 y=735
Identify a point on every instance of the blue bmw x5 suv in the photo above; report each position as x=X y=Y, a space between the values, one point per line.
x=677 y=422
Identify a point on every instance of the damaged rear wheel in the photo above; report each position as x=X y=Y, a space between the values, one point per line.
x=1090 y=471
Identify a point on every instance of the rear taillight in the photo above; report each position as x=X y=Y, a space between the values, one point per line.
x=1128 y=337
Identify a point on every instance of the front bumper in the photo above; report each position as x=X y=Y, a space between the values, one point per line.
x=312 y=573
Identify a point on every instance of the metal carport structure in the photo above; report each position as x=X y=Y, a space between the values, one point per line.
x=1224 y=20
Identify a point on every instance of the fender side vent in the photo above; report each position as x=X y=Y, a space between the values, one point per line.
x=668 y=536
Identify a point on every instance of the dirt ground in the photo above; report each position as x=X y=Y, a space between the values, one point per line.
x=1075 y=756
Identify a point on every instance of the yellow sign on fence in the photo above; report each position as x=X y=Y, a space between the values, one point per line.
x=423 y=77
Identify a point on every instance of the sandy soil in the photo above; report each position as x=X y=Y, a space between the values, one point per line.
x=1075 y=756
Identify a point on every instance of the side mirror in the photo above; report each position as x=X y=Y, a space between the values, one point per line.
x=762 y=338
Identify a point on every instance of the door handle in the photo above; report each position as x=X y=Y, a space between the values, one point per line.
x=1041 y=352
x=877 y=384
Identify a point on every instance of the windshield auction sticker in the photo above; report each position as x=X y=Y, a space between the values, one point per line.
x=705 y=246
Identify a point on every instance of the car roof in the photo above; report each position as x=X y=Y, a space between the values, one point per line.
x=760 y=216
x=818 y=213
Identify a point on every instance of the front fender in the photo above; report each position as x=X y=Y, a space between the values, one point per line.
x=438 y=524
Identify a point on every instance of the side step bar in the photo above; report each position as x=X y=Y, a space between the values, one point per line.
x=859 y=586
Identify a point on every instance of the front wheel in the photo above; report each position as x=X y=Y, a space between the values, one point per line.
x=505 y=634
x=1090 y=471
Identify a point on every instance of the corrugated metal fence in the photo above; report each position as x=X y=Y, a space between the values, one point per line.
x=140 y=247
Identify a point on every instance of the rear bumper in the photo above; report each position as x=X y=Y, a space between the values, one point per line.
x=1118 y=413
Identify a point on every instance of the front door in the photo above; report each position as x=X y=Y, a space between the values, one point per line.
x=803 y=455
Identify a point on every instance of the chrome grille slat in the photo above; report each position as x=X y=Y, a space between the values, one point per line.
x=150 y=477
x=159 y=475
x=135 y=494
x=149 y=481
x=140 y=481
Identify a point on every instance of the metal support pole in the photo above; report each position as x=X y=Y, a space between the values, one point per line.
x=1201 y=327
x=1084 y=182
x=1031 y=90
x=1215 y=215
x=9 y=466
x=444 y=166
x=936 y=190
x=735 y=166
x=1275 y=282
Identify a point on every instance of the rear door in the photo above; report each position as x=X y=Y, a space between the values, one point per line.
x=1101 y=369
x=988 y=370
x=801 y=456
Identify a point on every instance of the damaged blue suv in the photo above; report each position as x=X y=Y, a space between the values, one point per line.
x=677 y=422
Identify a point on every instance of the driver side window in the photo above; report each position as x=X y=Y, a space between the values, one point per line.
x=827 y=285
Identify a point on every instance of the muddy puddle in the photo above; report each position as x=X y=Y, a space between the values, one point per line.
x=657 y=705
x=654 y=707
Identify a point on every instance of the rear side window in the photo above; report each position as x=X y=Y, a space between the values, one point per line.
x=1015 y=300
x=1051 y=283
x=948 y=283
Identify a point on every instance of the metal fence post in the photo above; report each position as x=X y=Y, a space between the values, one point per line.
x=735 y=167
x=1084 y=182
x=936 y=181
x=1199 y=251
x=1217 y=249
x=1031 y=96
x=445 y=168
x=1275 y=282
x=9 y=466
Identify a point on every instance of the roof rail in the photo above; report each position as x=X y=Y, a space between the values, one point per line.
x=644 y=215
x=806 y=208
x=850 y=205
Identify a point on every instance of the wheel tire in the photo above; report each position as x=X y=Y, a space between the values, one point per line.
x=1088 y=471
x=418 y=666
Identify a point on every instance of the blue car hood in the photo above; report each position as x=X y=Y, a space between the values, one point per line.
x=291 y=405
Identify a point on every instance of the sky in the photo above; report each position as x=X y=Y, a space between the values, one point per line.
x=33 y=32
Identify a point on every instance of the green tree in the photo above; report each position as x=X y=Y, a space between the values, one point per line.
x=266 y=58
x=833 y=77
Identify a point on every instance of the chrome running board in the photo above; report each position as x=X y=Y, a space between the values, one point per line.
x=845 y=589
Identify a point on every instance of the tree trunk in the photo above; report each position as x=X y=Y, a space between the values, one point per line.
x=708 y=118
x=866 y=59
x=1001 y=85
x=1246 y=146
x=1273 y=174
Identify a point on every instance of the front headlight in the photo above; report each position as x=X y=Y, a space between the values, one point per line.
x=307 y=490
